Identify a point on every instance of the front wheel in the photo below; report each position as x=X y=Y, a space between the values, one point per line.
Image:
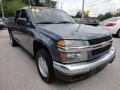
x=45 y=66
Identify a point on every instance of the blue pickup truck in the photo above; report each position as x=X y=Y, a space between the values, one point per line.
x=62 y=48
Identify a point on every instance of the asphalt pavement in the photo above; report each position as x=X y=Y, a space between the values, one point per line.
x=18 y=71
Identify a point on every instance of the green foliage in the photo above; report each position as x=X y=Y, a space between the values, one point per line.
x=26 y=1
x=10 y=7
x=47 y=3
x=107 y=15
x=117 y=14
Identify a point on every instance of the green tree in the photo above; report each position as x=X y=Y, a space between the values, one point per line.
x=45 y=3
x=107 y=15
x=117 y=13
x=100 y=17
x=10 y=7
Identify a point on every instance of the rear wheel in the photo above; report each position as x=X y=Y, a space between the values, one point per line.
x=45 y=66
x=118 y=34
x=12 y=41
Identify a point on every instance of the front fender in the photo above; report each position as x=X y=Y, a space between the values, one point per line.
x=50 y=44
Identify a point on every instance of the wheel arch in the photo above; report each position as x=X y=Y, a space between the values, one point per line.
x=9 y=30
x=118 y=32
x=37 y=45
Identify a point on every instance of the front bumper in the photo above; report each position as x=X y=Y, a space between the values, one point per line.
x=82 y=67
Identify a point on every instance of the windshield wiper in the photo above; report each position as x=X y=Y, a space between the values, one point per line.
x=64 y=22
x=46 y=23
x=54 y=22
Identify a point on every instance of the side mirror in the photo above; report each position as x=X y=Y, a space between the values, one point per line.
x=22 y=21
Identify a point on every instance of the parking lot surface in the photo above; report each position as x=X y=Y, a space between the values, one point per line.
x=18 y=71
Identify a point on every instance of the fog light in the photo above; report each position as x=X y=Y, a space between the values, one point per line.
x=74 y=55
x=70 y=55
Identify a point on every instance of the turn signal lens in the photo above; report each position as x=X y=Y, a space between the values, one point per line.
x=61 y=43
x=63 y=56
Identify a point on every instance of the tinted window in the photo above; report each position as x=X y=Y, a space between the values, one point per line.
x=17 y=15
x=23 y=14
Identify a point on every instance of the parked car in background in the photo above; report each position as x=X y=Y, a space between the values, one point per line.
x=2 y=23
x=87 y=21
x=112 y=25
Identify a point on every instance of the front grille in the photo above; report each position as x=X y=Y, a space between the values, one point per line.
x=100 y=50
x=98 y=41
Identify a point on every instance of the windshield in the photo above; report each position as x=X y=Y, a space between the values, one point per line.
x=51 y=16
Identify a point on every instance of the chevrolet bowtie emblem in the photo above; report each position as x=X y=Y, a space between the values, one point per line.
x=104 y=44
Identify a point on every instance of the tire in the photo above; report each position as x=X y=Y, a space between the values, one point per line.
x=118 y=34
x=12 y=41
x=45 y=66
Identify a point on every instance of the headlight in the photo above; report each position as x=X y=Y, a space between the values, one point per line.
x=70 y=51
x=70 y=43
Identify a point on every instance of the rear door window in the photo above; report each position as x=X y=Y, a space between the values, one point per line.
x=17 y=15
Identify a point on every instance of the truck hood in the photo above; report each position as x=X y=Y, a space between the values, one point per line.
x=73 y=31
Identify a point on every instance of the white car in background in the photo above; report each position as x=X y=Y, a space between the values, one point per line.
x=112 y=24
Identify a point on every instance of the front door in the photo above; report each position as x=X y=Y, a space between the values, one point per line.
x=25 y=32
